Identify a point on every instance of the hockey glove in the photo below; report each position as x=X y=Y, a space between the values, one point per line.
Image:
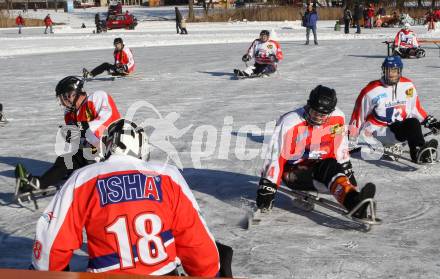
x=266 y=194
x=431 y=123
x=246 y=58
x=273 y=58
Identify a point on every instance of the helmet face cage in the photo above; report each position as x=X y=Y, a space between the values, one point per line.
x=314 y=117
x=68 y=87
x=264 y=35
x=392 y=70
x=125 y=138
x=321 y=103
x=390 y=76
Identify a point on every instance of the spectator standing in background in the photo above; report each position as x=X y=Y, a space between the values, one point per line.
x=347 y=19
x=48 y=23
x=357 y=17
x=19 y=20
x=310 y=19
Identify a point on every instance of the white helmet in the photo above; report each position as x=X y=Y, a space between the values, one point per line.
x=407 y=25
x=124 y=137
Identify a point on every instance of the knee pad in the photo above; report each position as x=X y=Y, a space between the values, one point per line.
x=325 y=170
x=411 y=123
x=298 y=177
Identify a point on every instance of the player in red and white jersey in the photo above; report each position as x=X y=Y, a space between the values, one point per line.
x=123 y=65
x=406 y=44
x=266 y=52
x=139 y=217
x=309 y=149
x=86 y=117
x=390 y=111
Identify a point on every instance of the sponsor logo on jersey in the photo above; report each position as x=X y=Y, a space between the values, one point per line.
x=36 y=250
x=129 y=187
x=409 y=93
x=377 y=98
x=89 y=114
x=337 y=129
x=270 y=46
x=393 y=104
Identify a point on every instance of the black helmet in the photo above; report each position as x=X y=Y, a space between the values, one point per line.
x=265 y=32
x=69 y=84
x=322 y=99
x=118 y=41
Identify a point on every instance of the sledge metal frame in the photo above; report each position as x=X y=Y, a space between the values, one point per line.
x=33 y=196
x=314 y=199
x=396 y=151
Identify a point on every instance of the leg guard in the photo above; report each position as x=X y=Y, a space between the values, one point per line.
x=344 y=192
x=326 y=170
x=102 y=68
x=409 y=130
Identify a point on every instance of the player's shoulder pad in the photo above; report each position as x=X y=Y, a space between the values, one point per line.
x=338 y=112
x=292 y=117
x=98 y=94
x=371 y=86
x=405 y=79
x=274 y=42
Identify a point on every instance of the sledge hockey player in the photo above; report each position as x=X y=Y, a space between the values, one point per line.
x=309 y=146
x=389 y=110
x=123 y=65
x=87 y=116
x=139 y=217
x=266 y=52
x=406 y=44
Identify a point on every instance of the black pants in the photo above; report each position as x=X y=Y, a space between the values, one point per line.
x=358 y=26
x=264 y=69
x=346 y=26
x=102 y=68
x=322 y=171
x=408 y=130
x=178 y=27
x=61 y=169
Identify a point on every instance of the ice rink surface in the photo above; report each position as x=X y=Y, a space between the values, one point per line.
x=193 y=84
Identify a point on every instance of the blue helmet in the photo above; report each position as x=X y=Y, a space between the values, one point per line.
x=392 y=62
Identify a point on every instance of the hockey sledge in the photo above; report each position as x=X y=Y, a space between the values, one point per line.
x=398 y=152
x=27 y=197
x=24 y=199
x=307 y=200
x=238 y=75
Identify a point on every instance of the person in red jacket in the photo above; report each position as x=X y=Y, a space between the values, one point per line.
x=370 y=14
x=86 y=117
x=48 y=23
x=123 y=65
x=19 y=20
x=140 y=217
